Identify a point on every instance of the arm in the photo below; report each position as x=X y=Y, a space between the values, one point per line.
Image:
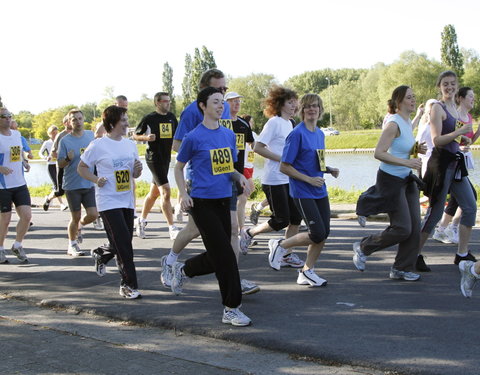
x=144 y=137
x=381 y=151
x=436 y=117
x=84 y=172
x=240 y=178
x=290 y=171
x=418 y=116
x=42 y=150
x=176 y=145
x=476 y=135
x=261 y=149
x=185 y=200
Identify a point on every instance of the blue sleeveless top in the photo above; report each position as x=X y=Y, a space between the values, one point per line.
x=448 y=126
x=401 y=147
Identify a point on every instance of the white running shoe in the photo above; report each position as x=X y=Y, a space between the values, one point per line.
x=129 y=293
x=166 y=274
x=248 y=287
x=276 y=254
x=451 y=231
x=173 y=232
x=359 y=258
x=309 y=277
x=178 y=278
x=140 y=225
x=20 y=253
x=292 y=260
x=441 y=236
x=245 y=241
x=468 y=280
x=235 y=317
x=74 y=251
x=98 y=224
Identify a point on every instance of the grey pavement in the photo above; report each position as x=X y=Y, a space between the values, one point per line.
x=359 y=319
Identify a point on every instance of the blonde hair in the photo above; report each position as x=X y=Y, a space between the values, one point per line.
x=51 y=129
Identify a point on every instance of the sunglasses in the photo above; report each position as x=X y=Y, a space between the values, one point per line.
x=6 y=115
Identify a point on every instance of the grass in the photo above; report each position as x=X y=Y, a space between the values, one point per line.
x=353 y=139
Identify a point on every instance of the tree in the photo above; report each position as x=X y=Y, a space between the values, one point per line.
x=167 y=80
x=187 y=81
x=42 y=121
x=138 y=109
x=471 y=77
x=208 y=61
x=451 y=56
x=90 y=111
x=197 y=71
x=24 y=119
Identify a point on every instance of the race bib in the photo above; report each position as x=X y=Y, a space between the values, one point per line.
x=122 y=180
x=458 y=125
x=15 y=152
x=251 y=156
x=240 y=141
x=227 y=123
x=82 y=150
x=321 y=160
x=414 y=151
x=165 y=130
x=222 y=161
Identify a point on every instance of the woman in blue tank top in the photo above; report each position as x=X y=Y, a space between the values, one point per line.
x=395 y=191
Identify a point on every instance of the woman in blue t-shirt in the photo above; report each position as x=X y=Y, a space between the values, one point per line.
x=211 y=151
x=395 y=191
x=303 y=161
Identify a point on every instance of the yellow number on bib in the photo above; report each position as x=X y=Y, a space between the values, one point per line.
x=222 y=161
x=165 y=130
x=321 y=160
x=240 y=141
x=458 y=125
x=14 y=154
x=251 y=156
x=122 y=179
x=227 y=123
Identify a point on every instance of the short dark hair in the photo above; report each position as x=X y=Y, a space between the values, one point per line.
x=121 y=97
x=111 y=116
x=207 y=77
x=462 y=93
x=397 y=96
x=204 y=94
x=158 y=95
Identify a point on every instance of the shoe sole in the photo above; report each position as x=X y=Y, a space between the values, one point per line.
x=251 y=291
x=236 y=324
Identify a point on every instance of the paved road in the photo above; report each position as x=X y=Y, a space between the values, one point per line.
x=359 y=319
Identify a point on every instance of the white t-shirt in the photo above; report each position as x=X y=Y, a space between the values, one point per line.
x=114 y=161
x=11 y=157
x=46 y=150
x=273 y=135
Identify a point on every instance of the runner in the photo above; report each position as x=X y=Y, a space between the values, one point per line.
x=280 y=107
x=54 y=152
x=303 y=160
x=395 y=191
x=161 y=125
x=210 y=148
x=13 y=187
x=117 y=163
x=78 y=190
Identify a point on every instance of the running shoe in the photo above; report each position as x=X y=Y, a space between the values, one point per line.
x=235 y=317
x=3 y=256
x=98 y=224
x=359 y=258
x=459 y=258
x=276 y=254
x=46 y=204
x=254 y=214
x=451 y=231
x=309 y=277
x=420 y=265
x=140 y=225
x=129 y=293
x=178 y=278
x=74 y=251
x=440 y=235
x=403 y=275
x=100 y=267
x=19 y=253
x=248 y=287
x=468 y=280
x=292 y=260
x=166 y=274
x=63 y=207
x=245 y=241
x=173 y=232
x=362 y=220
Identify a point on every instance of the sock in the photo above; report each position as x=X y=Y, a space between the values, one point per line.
x=17 y=244
x=462 y=254
x=171 y=258
x=259 y=207
x=472 y=270
x=74 y=242
x=170 y=227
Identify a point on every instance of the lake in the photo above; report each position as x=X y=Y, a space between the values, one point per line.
x=357 y=170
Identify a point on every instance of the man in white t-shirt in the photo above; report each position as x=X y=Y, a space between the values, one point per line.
x=13 y=187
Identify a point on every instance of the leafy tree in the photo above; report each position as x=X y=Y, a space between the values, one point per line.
x=208 y=61
x=138 y=109
x=42 y=121
x=471 y=77
x=345 y=103
x=90 y=111
x=198 y=67
x=24 y=119
x=187 y=81
x=167 y=80
x=450 y=53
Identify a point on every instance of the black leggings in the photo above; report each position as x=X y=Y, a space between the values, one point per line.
x=212 y=217
x=118 y=224
x=283 y=209
x=316 y=214
x=52 y=172
x=59 y=188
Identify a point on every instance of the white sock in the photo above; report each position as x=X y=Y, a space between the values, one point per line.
x=17 y=244
x=170 y=227
x=171 y=258
x=74 y=242
x=259 y=207
x=462 y=254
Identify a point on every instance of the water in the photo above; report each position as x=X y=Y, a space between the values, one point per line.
x=357 y=171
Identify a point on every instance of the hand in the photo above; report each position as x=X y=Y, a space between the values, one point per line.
x=101 y=181
x=5 y=171
x=334 y=172
x=71 y=154
x=151 y=137
x=316 y=181
x=30 y=155
x=420 y=110
x=137 y=168
x=422 y=148
x=414 y=163
x=49 y=158
x=467 y=128
x=244 y=184
x=26 y=166
x=186 y=202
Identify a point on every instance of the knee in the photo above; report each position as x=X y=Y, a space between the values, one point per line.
x=278 y=223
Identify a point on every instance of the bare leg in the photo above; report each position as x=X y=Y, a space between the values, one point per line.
x=5 y=218
x=185 y=236
x=313 y=253
x=150 y=199
x=166 y=204
x=73 y=225
x=25 y=215
x=90 y=216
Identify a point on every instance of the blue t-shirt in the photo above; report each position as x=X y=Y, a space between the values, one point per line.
x=71 y=178
x=25 y=145
x=191 y=117
x=302 y=149
x=211 y=153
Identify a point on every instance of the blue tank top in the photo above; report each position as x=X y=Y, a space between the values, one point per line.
x=448 y=126
x=401 y=147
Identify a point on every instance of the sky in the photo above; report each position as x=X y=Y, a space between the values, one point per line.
x=60 y=52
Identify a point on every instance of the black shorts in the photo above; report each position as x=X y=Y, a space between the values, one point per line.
x=284 y=211
x=78 y=197
x=159 y=170
x=19 y=196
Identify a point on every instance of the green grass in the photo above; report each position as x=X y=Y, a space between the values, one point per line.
x=353 y=139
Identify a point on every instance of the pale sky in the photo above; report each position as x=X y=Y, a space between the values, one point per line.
x=59 y=52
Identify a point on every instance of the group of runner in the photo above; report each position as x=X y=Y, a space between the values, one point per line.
x=214 y=145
